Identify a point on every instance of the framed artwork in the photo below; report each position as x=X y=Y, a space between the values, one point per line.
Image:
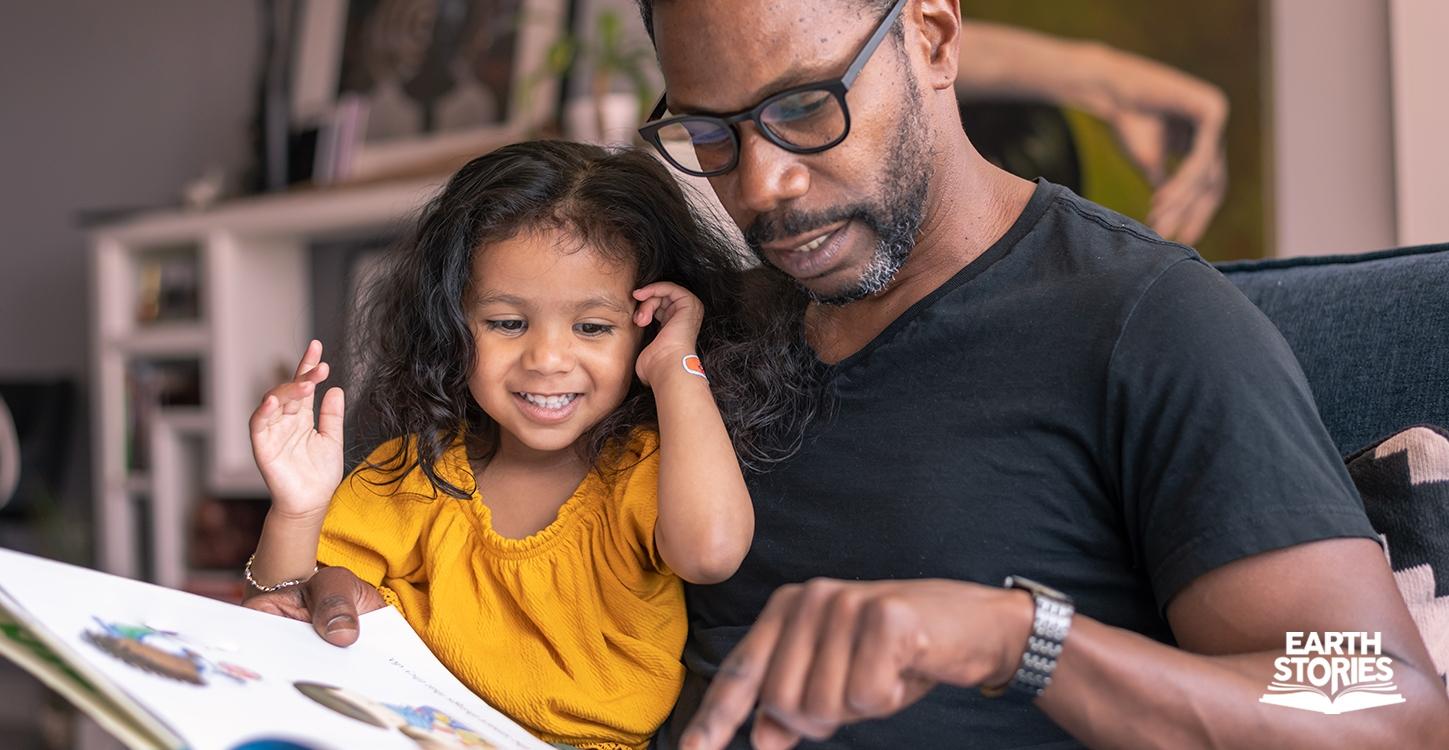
x=436 y=80
x=1224 y=43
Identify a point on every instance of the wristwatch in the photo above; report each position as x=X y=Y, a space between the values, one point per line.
x=1049 y=627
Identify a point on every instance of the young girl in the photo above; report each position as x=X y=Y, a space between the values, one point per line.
x=562 y=464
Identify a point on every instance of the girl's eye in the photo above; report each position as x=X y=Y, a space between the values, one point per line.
x=509 y=325
x=594 y=329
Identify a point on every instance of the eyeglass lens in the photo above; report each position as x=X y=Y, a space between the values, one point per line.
x=807 y=120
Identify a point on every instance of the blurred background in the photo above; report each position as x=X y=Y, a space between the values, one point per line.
x=192 y=189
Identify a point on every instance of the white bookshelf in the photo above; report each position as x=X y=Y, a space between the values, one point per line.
x=252 y=273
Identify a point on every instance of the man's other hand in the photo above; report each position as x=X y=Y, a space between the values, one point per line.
x=331 y=600
x=829 y=653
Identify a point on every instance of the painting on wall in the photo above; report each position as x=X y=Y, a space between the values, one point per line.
x=430 y=67
x=428 y=82
x=1127 y=160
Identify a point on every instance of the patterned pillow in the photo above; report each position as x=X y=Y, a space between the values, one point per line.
x=1404 y=481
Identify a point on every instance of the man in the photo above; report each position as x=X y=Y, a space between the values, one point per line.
x=1021 y=384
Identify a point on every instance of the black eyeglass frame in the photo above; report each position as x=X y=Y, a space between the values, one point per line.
x=837 y=88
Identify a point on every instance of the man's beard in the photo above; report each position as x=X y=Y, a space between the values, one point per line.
x=894 y=215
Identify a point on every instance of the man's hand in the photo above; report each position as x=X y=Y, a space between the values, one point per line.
x=829 y=653
x=330 y=600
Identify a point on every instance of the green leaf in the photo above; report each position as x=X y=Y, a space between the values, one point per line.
x=561 y=55
x=607 y=23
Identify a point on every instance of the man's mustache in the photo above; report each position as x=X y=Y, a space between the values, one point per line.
x=783 y=224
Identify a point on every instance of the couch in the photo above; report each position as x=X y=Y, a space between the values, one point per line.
x=1371 y=331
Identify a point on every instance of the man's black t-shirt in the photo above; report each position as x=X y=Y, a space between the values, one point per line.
x=1086 y=405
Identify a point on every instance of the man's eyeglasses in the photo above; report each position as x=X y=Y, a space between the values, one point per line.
x=804 y=119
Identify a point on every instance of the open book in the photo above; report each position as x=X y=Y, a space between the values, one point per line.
x=165 y=669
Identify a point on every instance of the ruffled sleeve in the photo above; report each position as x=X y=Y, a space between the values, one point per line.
x=375 y=525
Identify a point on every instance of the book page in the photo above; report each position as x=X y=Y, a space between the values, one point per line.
x=23 y=648
x=217 y=675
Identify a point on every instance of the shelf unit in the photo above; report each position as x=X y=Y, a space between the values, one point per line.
x=248 y=320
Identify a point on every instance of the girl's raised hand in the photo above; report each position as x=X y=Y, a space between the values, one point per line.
x=680 y=313
x=301 y=465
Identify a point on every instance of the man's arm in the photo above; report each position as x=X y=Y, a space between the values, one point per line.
x=1230 y=624
x=830 y=653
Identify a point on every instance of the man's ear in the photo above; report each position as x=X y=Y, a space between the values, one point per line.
x=939 y=23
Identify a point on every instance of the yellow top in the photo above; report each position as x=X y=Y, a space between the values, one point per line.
x=575 y=632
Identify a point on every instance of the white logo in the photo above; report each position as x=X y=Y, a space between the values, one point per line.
x=1333 y=673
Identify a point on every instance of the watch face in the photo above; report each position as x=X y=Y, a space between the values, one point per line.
x=1017 y=582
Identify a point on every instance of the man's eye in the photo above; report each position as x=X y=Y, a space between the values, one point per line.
x=799 y=106
x=801 y=109
x=594 y=329
x=507 y=326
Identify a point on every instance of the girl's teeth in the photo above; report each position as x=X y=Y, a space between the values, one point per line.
x=550 y=402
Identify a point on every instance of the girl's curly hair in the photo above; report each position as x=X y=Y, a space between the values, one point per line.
x=413 y=347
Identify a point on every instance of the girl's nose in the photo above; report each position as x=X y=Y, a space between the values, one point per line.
x=548 y=353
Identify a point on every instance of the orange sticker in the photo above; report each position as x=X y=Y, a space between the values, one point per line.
x=693 y=366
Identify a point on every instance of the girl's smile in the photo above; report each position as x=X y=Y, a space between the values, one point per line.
x=548 y=408
x=556 y=344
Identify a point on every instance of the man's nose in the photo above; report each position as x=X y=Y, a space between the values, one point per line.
x=548 y=352
x=768 y=175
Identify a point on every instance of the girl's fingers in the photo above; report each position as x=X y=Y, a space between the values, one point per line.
x=661 y=296
x=302 y=401
x=663 y=290
x=287 y=398
x=316 y=374
x=665 y=311
x=264 y=412
x=310 y=358
x=645 y=314
x=329 y=420
x=657 y=289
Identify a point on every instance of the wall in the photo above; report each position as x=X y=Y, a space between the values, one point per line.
x=1421 y=118
x=1333 y=154
x=105 y=105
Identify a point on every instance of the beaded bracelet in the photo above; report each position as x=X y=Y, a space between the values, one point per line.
x=247 y=571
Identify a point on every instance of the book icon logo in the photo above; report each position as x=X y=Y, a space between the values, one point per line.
x=1333 y=673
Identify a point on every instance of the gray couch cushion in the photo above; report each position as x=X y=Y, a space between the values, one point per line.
x=1371 y=331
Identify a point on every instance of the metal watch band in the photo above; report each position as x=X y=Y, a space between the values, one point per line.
x=1050 y=624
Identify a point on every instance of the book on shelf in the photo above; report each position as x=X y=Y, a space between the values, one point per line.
x=151 y=386
x=160 y=668
x=168 y=287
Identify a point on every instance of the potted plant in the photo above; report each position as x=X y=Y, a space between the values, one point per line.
x=608 y=57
